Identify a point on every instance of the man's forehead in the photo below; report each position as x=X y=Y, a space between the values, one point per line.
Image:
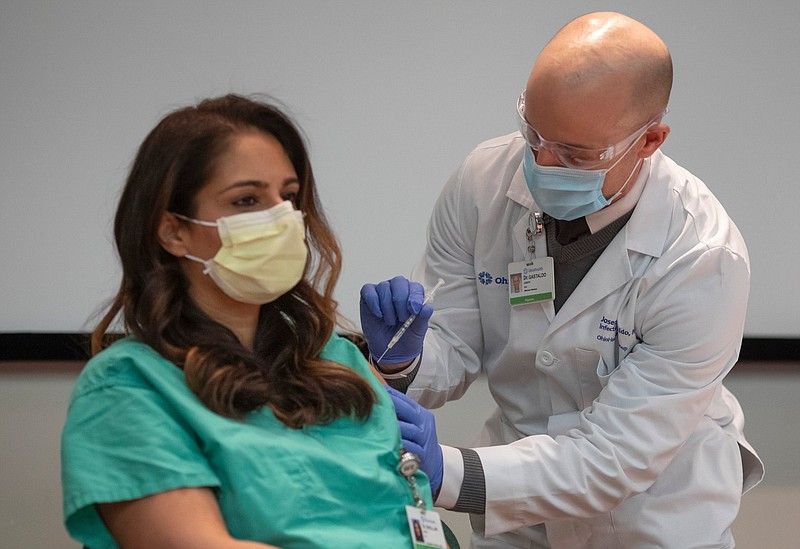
x=578 y=115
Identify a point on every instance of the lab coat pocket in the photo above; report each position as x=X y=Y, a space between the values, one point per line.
x=604 y=372
x=592 y=375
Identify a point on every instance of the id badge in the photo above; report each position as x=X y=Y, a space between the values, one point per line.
x=426 y=528
x=531 y=281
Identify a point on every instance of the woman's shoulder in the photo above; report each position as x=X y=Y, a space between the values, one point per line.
x=126 y=362
x=346 y=348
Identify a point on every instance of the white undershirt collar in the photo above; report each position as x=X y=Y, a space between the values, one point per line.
x=611 y=213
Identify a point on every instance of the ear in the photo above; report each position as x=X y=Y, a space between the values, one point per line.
x=171 y=235
x=654 y=138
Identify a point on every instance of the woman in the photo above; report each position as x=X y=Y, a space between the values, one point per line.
x=231 y=415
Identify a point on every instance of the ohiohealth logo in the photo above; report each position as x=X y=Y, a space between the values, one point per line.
x=485 y=278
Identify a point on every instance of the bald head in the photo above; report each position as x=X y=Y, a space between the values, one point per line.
x=609 y=60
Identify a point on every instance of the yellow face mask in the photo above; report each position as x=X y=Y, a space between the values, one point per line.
x=263 y=253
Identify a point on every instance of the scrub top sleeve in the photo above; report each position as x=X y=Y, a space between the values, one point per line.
x=122 y=443
x=343 y=351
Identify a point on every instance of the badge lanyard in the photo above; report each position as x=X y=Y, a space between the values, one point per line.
x=535 y=228
x=424 y=524
x=409 y=465
x=531 y=280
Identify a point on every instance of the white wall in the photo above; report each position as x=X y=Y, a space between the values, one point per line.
x=392 y=95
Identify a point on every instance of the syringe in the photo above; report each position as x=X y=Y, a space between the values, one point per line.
x=396 y=337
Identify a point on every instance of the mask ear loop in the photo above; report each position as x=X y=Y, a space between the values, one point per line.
x=619 y=192
x=635 y=167
x=195 y=221
x=203 y=262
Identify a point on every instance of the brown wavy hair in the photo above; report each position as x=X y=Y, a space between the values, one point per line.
x=284 y=370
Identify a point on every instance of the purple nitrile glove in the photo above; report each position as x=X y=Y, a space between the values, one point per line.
x=418 y=431
x=384 y=308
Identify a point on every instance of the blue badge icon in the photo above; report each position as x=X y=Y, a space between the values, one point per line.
x=485 y=278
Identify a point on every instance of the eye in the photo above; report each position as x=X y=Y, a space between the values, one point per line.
x=292 y=197
x=575 y=159
x=249 y=200
x=580 y=158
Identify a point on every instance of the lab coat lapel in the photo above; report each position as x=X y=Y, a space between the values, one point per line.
x=521 y=238
x=611 y=270
x=518 y=192
x=645 y=233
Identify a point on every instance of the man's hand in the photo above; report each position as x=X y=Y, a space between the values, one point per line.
x=384 y=308
x=418 y=431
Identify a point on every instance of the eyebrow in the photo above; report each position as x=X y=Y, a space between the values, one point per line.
x=259 y=184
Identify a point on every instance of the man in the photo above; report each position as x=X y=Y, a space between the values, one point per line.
x=612 y=428
x=515 y=278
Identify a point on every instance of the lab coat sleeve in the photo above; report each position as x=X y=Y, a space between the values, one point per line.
x=452 y=479
x=690 y=324
x=454 y=343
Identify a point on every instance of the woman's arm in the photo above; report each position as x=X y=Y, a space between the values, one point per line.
x=176 y=519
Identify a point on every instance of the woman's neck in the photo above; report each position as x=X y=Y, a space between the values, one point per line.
x=240 y=318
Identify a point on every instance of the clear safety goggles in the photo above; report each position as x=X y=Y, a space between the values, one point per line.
x=571 y=156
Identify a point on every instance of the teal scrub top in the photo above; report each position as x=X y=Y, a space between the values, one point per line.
x=134 y=429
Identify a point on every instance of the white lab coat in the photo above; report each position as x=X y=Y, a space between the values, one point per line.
x=613 y=427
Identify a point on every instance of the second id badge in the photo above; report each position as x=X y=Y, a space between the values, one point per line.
x=531 y=281
x=426 y=528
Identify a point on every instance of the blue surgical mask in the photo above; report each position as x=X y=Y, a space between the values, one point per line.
x=566 y=193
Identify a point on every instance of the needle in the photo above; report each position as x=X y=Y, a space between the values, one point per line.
x=396 y=337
